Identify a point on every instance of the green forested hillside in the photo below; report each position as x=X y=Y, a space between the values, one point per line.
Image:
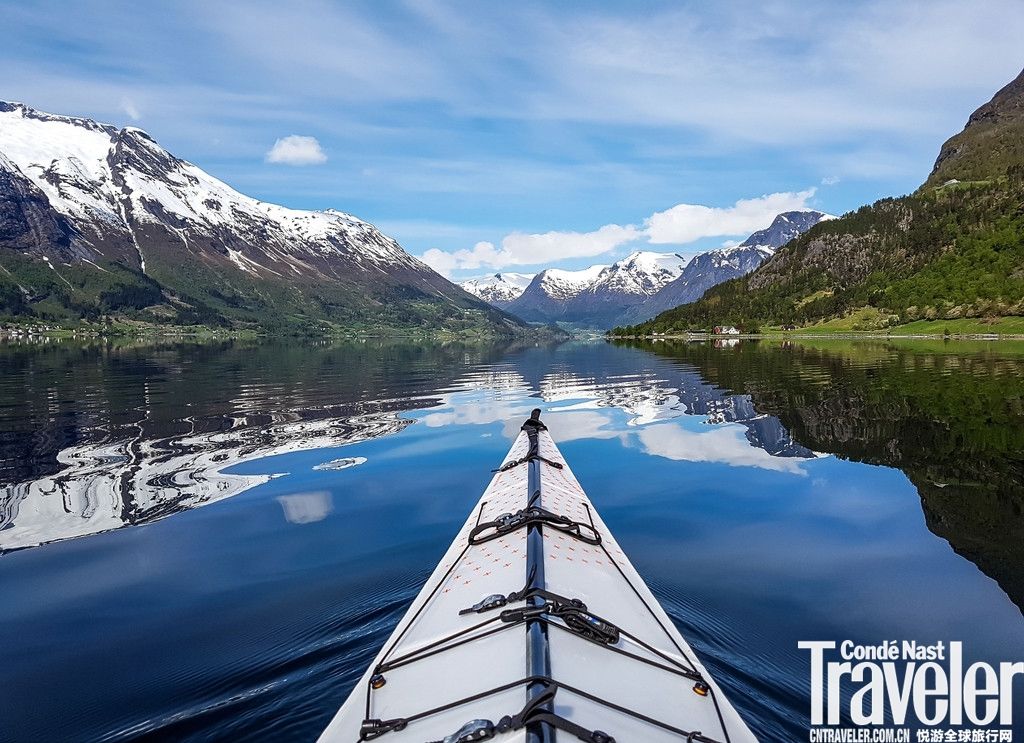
x=36 y=291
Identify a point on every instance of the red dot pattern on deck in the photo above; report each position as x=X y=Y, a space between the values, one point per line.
x=506 y=493
x=563 y=494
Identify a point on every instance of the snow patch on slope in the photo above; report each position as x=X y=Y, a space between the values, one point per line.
x=65 y=158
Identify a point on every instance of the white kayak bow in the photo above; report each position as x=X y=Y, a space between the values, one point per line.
x=535 y=627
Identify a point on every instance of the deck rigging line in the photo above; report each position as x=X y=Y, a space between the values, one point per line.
x=530 y=516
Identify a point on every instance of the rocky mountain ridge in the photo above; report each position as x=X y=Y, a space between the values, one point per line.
x=498 y=289
x=638 y=286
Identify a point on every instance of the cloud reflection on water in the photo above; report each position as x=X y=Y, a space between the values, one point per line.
x=306 y=508
x=724 y=444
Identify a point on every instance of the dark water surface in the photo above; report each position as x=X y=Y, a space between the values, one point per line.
x=207 y=542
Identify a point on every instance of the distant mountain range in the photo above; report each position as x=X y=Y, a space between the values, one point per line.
x=639 y=286
x=99 y=221
x=597 y=295
x=953 y=249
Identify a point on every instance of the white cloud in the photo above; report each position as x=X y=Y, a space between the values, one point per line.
x=830 y=180
x=527 y=249
x=444 y=262
x=296 y=150
x=814 y=86
x=833 y=72
x=854 y=64
x=686 y=223
x=805 y=75
x=130 y=109
x=521 y=249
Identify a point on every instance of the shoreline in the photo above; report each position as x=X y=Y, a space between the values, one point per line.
x=850 y=335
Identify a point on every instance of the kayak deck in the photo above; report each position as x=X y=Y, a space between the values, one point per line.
x=535 y=626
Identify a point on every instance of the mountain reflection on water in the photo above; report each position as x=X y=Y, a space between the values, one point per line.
x=130 y=435
x=742 y=480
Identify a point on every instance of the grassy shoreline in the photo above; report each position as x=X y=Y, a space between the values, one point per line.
x=1002 y=328
x=20 y=331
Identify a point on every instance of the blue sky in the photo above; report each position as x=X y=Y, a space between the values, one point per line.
x=521 y=135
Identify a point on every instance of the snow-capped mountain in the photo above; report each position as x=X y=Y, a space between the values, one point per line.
x=547 y=296
x=566 y=285
x=700 y=274
x=498 y=289
x=715 y=266
x=623 y=285
x=641 y=274
x=152 y=229
x=596 y=294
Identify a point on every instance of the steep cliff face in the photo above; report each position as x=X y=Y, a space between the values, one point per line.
x=27 y=223
x=991 y=142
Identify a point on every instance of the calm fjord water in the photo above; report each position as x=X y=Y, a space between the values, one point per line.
x=212 y=541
